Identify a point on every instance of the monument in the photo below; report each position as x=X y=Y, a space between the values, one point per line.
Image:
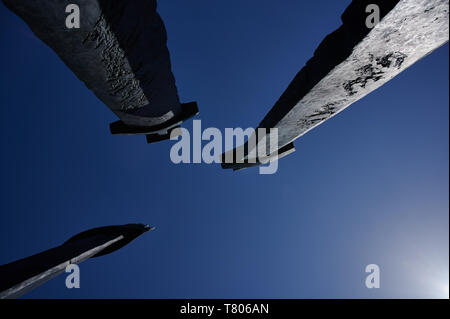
x=119 y=51
x=23 y=275
x=351 y=62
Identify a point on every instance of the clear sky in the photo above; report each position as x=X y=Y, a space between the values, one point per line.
x=369 y=186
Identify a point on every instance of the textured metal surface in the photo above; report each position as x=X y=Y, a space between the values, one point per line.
x=412 y=30
x=119 y=52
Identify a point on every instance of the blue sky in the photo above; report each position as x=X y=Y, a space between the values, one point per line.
x=369 y=186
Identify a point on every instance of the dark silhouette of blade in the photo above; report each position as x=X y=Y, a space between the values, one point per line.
x=21 y=276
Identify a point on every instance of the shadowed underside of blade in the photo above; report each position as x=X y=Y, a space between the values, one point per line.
x=120 y=53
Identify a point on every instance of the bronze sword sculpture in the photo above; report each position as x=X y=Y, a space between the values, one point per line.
x=23 y=275
x=350 y=63
x=119 y=51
